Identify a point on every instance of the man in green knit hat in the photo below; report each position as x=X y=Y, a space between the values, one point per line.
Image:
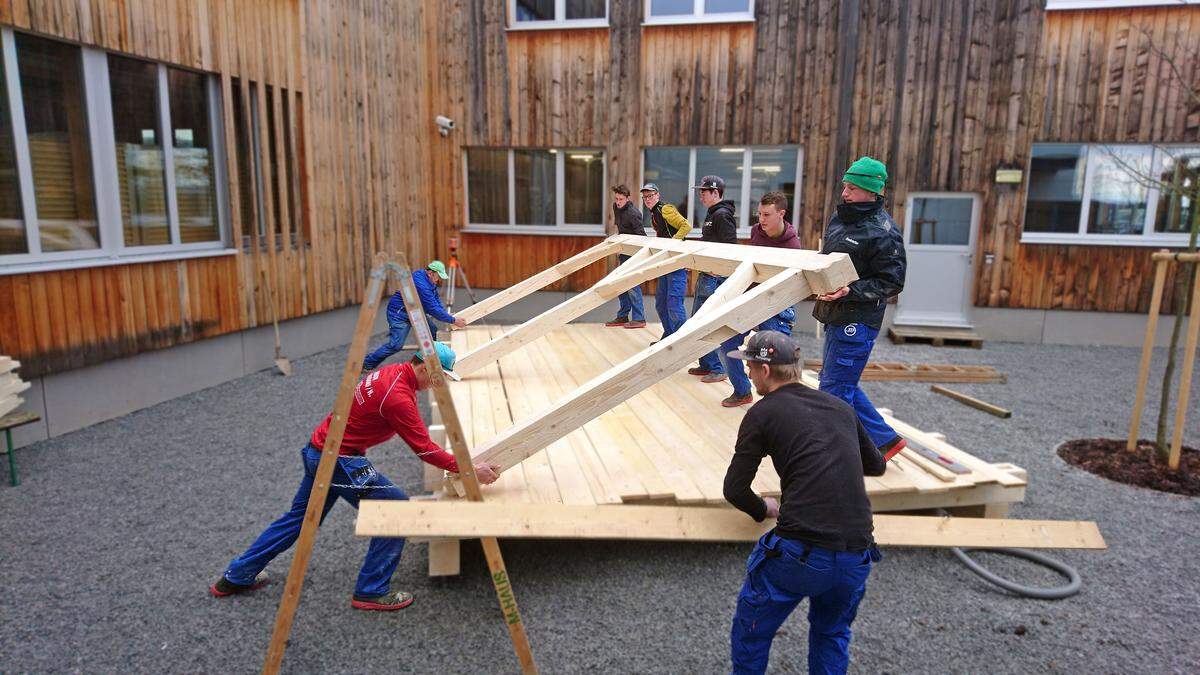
x=853 y=314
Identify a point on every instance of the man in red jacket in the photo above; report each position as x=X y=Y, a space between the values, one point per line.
x=774 y=231
x=385 y=404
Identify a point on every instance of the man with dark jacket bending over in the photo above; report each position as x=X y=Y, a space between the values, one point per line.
x=821 y=547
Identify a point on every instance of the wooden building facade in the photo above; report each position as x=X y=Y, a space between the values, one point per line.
x=323 y=146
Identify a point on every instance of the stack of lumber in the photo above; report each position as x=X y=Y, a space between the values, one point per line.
x=11 y=386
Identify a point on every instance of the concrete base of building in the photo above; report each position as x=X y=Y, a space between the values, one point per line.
x=79 y=398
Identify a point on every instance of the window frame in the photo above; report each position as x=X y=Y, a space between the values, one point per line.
x=744 y=197
x=560 y=20
x=698 y=15
x=97 y=102
x=558 y=228
x=1081 y=236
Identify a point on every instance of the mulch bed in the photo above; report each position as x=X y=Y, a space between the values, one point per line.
x=1106 y=457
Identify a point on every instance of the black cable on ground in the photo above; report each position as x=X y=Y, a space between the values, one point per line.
x=1074 y=582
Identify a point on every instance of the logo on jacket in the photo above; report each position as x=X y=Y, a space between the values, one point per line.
x=850 y=330
x=852 y=241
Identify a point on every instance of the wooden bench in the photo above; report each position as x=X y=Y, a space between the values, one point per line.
x=7 y=424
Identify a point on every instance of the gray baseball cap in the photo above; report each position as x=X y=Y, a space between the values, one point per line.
x=649 y=187
x=768 y=346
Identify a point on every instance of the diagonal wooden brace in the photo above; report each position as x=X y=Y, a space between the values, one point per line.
x=564 y=313
x=642 y=370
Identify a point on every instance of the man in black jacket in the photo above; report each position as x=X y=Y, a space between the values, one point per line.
x=629 y=221
x=720 y=225
x=821 y=547
x=853 y=314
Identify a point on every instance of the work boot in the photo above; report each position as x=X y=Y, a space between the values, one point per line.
x=636 y=324
x=892 y=447
x=383 y=603
x=733 y=400
x=224 y=587
x=617 y=322
x=714 y=377
x=698 y=371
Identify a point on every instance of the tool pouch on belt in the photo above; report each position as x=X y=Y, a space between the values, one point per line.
x=361 y=472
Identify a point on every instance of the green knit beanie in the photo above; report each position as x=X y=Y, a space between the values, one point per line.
x=868 y=174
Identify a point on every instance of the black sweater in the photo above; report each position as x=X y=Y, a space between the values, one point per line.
x=629 y=219
x=821 y=452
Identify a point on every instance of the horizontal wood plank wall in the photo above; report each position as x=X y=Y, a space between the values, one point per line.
x=1103 y=78
x=358 y=121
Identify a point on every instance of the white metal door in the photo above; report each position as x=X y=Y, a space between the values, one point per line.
x=939 y=239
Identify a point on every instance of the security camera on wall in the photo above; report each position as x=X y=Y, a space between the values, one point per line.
x=445 y=124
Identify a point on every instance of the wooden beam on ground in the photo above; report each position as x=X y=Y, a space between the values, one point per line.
x=972 y=401
x=320 y=489
x=642 y=370
x=538 y=281
x=894 y=371
x=625 y=277
x=693 y=523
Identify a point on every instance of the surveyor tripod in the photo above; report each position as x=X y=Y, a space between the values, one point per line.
x=457 y=272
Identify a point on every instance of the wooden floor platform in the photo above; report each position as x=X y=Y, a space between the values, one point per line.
x=671 y=443
x=936 y=336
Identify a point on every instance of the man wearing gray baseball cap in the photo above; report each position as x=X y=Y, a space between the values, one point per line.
x=821 y=547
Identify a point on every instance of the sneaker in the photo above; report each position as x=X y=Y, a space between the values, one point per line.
x=734 y=400
x=892 y=447
x=636 y=324
x=617 y=322
x=714 y=377
x=383 y=603
x=698 y=371
x=224 y=587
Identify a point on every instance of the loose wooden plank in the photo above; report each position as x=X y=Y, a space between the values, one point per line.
x=379 y=518
x=972 y=401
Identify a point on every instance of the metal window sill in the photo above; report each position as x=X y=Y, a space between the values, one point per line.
x=111 y=260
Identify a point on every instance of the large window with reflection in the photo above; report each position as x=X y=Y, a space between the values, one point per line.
x=104 y=157
x=1110 y=194
x=749 y=172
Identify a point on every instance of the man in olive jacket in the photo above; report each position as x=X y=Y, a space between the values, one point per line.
x=670 y=224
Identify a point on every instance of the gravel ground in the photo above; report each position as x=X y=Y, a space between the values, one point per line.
x=115 y=532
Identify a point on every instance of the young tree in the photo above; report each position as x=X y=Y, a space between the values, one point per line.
x=1175 y=174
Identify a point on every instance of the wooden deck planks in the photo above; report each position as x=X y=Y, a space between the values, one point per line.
x=669 y=443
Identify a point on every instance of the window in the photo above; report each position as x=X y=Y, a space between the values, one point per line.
x=529 y=14
x=748 y=172
x=535 y=190
x=698 y=11
x=104 y=157
x=141 y=174
x=51 y=75
x=1109 y=194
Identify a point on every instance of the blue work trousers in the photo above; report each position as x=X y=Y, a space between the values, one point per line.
x=706 y=285
x=779 y=574
x=631 y=301
x=781 y=322
x=383 y=554
x=668 y=301
x=398 y=328
x=846 y=351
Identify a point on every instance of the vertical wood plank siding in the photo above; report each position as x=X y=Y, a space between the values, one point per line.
x=944 y=91
x=360 y=130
